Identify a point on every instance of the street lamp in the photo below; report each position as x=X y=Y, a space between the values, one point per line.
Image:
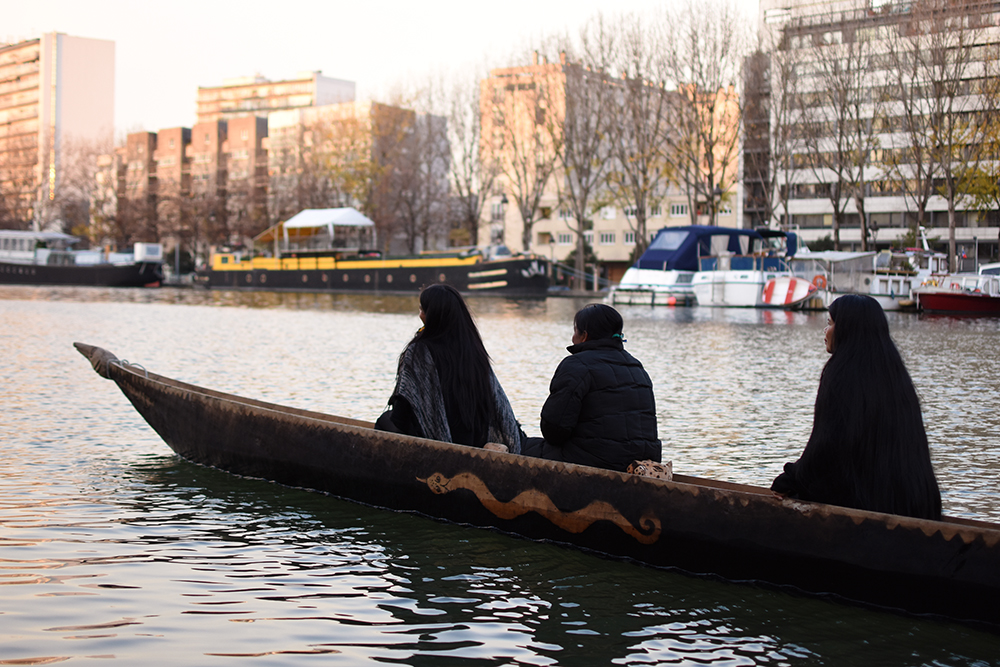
x=716 y=203
x=499 y=221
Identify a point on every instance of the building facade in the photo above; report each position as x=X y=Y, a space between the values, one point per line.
x=56 y=93
x=915 y=84
x=518 y=107
x=258 y=96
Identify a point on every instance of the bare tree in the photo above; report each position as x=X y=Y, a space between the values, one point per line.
x=583 y=134
x=77 y=180
x=911 y=163
x=952 y=73
x=18 y=186
x=706 y=57
x=771 y=125
x=516 y=134
x=981 y=180
x=473 y=171
x=641 y=170
x=842 y=120
x=420 y=178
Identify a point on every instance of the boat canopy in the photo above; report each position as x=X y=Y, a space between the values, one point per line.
x=312 y=221
x=15 y=239
x=679 y=248
x=328 y=217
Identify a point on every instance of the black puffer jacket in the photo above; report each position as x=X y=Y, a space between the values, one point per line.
x=600 y=410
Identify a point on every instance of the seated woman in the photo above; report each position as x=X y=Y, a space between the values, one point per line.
x=868 y=449
x=600 y=410
x=445 y=387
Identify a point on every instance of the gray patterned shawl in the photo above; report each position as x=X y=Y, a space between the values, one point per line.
x=418 y=382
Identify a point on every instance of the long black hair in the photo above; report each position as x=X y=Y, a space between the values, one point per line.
x=463 y=365
x=868 y=429
x=598 y=321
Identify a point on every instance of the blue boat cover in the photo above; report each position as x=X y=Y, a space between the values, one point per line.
x=678 y=248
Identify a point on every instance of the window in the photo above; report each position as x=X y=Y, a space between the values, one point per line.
x=629 y=211
x=629 y=238
x=496 y=212
x=244 y=135
x=564 y=214
x=171 y=143
x=589 y=237
x=669 y=240
x=562 y=238
x=678 y=210
x=606 y=238
x=655 y=211
x=208 y=139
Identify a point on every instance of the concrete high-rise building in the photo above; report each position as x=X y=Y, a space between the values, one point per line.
x=56 y=91
x=882 y=101
x=255 y=95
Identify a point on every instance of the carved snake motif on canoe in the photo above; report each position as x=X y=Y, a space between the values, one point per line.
x=536 y=501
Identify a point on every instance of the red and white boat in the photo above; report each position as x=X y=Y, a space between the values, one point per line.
x=965 y=293
x=787 y=292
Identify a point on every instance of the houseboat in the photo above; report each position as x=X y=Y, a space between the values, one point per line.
x=332 y=250
x=48 y=258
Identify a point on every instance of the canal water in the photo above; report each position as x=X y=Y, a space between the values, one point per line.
x=114 y=550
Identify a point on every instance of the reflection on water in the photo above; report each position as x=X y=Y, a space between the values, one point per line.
x=110 y=547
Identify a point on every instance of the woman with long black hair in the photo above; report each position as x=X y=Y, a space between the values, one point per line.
x=868 y=449
x=445 y=387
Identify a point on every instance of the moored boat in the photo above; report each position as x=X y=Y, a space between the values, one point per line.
x=889 y=277
x=961 y=293
x=787 y=292
x=737 y=268
x=329 y=250
x=949 y=568
x=662 y=275
x=48 y=258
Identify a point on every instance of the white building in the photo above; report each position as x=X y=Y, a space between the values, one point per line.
x=818 y=32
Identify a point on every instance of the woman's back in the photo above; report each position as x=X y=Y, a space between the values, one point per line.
x=868 y=448
x=445 y=386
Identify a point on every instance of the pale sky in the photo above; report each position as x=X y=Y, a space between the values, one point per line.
x=164 y=51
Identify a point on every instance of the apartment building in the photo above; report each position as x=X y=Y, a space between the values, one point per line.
x=256 y=95
x=56 y=92
x=518 y=104
x=206 y=181
x=895 y=175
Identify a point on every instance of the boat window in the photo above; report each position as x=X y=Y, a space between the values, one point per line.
x=670 y=240
x=722 y=245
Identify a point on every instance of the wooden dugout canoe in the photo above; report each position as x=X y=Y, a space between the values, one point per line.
x=948 y=568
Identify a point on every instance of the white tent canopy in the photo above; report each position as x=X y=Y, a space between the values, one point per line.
x=328 y=217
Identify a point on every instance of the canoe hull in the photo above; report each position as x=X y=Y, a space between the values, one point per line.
x=699 y=526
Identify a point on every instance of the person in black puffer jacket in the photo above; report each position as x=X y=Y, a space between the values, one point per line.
x=600 y=410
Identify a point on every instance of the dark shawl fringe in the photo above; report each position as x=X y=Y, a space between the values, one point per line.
x=417 y=381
